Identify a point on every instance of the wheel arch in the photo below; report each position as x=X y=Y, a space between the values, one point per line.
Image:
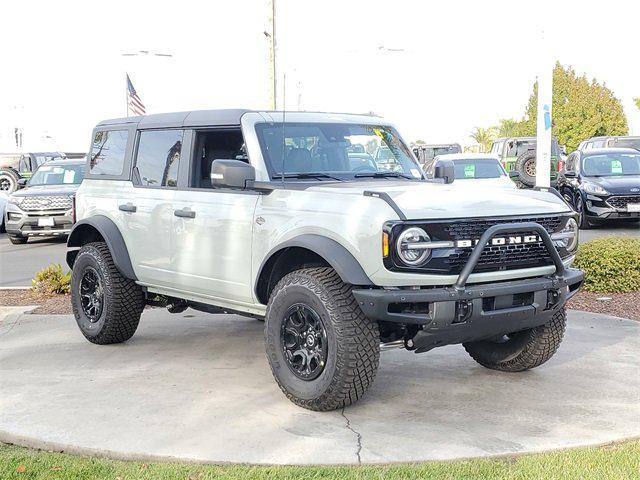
x=100 y=228
x=305 y=251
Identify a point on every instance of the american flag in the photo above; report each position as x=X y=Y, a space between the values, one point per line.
x=133 y=100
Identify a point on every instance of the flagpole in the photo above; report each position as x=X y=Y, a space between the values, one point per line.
x=126 y=93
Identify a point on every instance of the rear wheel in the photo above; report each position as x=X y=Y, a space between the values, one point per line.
x=322 y=350
x=522 y=350
x=107 y=306
x=18 y=239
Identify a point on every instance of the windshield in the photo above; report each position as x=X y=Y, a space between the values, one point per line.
x=611 y=165
x=336 y=151
x=476 y=169
x=58 y=175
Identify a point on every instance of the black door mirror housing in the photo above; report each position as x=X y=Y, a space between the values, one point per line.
x=22 y=182
x=231 y=174
x=444 y=169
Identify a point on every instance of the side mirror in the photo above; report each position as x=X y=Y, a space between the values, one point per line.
x=22 y=182
x=570 y=174
x=444 y=169
x=513 y=174
x=231 y=174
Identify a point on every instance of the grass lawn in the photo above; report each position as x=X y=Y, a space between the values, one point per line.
x=620 y=461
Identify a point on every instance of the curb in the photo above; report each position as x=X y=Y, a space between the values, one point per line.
x=57 y=447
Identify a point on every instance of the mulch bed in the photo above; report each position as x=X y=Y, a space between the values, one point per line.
x=47 y=304
x=625 y=305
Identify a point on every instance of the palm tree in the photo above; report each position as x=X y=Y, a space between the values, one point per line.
x=483 y=137
x=637 y=100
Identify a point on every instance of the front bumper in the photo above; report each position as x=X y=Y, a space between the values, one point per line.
x=600 y=207
x=460 y=313
x=37 y=223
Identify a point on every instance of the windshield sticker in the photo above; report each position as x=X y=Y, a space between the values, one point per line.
x=69 y=176
x=415 y=173
x=616 y=166
x=470 y=171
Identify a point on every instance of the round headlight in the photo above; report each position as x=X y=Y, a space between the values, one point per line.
x=571 y=228
x=408 y=248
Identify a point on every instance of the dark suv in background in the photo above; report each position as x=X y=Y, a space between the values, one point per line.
x=425 y=153
x=602 y=184
x=518 y=157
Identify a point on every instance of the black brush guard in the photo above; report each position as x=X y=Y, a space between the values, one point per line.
x=462 y=313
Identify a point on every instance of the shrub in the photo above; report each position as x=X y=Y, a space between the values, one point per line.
x=611 y=264
x=52 y=280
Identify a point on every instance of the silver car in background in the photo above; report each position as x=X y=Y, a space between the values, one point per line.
x=45 y=207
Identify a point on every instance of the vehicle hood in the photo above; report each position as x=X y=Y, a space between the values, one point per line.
x=41 y=190
x=431 y=200
x=620 y=185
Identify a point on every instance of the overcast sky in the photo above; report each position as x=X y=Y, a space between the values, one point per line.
x=444 y=66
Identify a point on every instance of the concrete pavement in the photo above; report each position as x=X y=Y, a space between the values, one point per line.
x=196 y=386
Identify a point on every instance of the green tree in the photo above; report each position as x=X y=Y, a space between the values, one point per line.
x=483 y=137
x=581 y=109
x=508 y=127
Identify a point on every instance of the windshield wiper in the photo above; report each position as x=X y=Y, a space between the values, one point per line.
x=315 y=175
x=384 y=175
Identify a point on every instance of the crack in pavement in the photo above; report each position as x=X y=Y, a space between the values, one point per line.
x=358 y=436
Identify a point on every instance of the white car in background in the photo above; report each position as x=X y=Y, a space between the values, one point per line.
x=481 y=168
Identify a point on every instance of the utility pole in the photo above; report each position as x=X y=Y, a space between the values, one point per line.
x=271 y=36
x=543 y=132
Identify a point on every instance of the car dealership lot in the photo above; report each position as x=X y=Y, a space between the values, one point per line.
x=19 y=263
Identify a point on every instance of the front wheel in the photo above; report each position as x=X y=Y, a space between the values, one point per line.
x=322 y=350
x=522 y=350
x=107 y=306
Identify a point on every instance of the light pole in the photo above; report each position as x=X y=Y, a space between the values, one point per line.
x=271 y=38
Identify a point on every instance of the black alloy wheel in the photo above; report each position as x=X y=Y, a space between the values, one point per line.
x=304 y=342
x=91 y=294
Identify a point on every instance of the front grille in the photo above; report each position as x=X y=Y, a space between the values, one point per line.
x=620 y=202
x=500 y=257
x=475 y=228
x=509 y=256
x=46 y=202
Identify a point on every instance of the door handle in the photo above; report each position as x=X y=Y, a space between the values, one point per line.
x=185 y=213
x=128 y=207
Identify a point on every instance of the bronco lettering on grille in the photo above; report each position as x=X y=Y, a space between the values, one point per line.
x=510 y=240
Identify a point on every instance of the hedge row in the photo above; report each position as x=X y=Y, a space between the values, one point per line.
x=611 y=264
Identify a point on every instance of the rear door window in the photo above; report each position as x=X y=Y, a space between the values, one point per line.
x=108 y=152
x=158 y=157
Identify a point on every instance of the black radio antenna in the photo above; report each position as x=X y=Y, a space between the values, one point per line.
x=284 y=108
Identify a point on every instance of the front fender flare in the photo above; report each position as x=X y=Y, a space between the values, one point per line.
x=112 y=236
x=336 y=255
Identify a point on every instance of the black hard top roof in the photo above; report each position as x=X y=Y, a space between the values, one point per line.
x=181 y=119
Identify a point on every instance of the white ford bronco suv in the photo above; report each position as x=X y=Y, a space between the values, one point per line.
x=290 y=219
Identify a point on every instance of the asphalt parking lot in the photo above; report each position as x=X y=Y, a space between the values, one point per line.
x=19 y=263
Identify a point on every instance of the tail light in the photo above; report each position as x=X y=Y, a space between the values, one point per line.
x=560 y=165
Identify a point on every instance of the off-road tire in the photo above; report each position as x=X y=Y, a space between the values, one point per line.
x=521 y=167
x=353 y=340
x=528 y=349
x=18 y=239
x=8 y=178
x=123 y=299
